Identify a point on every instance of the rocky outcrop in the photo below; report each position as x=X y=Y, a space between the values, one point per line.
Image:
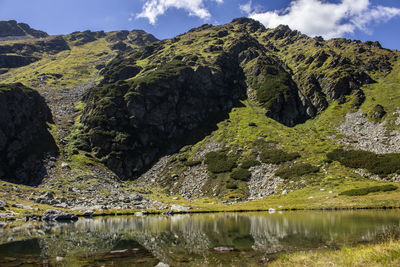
x=14 y=61
x=57 y=215
x=24 y=138
x=51 y=45
x=158 y=114
x=135 y=37
x=24 y=53
x=81 y=38
x=13 y=29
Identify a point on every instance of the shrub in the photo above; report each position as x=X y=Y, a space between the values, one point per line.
x=191 y=163
x=248 y=163
x=377 y=113
x=277 y=156
x=240 y=174
x=231 y=186
x=296 y=171
x=366 y=190
x=218 y=162
x=383 y=164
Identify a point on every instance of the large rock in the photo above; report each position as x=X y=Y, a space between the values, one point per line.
x=24 y=137
x=3 y=204
x=57 y=215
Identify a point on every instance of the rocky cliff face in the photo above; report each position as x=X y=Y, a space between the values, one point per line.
x=11 y=29
x=145 y=118
x=24 y=138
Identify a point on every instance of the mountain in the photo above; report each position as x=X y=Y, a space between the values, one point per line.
x=235 y=111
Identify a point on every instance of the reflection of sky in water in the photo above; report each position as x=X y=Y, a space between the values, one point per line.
x=192 y=237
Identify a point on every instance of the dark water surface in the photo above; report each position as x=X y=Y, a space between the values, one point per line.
x=189 y=240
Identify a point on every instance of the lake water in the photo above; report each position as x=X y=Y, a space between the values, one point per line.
x=190 y=240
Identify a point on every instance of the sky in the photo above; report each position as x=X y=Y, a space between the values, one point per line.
x=375 y=20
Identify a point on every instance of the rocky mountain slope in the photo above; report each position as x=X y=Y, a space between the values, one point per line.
x=235 y=111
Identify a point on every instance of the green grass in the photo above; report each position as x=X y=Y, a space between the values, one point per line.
x=76 y=66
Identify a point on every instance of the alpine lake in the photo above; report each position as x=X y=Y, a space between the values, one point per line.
x=213 y=239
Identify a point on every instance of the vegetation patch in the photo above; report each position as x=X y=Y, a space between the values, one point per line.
x=231 y=186
x=366 y=190
x=384 y=164
x=219 y=161
x=240 y=174
x=296 y=171
x=248 y=163
x=276 y=83
x=191 y=163
x=377 y=113
x=163 y=72
x=277 y=156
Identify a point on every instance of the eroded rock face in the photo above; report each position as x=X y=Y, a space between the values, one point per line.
x=12 y=28
x=24 y=138
x=152 y=116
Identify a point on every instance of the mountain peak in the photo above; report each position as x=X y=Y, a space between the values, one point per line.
x=13 y=30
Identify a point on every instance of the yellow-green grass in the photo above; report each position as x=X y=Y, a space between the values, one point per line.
x=76 y=65
x=384 y=254
x=385 y=93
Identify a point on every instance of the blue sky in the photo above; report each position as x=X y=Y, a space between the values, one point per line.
x=355 y=19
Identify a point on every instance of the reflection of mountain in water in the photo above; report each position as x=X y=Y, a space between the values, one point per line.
x=184 y=239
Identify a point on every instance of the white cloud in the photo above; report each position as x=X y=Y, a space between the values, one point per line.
x=154 y=8
x=246 y=8
x=317 y=17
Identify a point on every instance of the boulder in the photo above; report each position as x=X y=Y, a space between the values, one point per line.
x=224 y=249
x=179 y=208
x=88 y=213
x=57 y=215
x=136 y=197
x=3 y=204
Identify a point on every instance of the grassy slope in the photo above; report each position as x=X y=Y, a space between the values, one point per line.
x=76 y=65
